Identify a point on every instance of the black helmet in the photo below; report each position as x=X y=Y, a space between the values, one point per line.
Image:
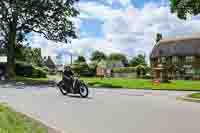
x=67 y=68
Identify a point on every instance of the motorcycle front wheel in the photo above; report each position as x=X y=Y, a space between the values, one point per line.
x=84 y=91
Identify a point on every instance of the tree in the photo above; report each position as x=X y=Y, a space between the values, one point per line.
x=51 y=18
x=158 y=37
x=185 y=7
x=29 y=55
x=139 y=60
x=81 y=67
x=81 y=59
x=98 y=56
x=119 y=57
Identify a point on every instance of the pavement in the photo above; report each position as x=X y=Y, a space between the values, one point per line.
x=106 y=110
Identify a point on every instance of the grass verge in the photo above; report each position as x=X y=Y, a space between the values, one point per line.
x=143 y=84
x=20 y=78
x=194 y=95
x=13 y=122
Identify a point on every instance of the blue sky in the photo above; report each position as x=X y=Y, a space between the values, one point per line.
x=121 y=26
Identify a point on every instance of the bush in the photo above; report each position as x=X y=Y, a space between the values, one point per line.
x=28 y=70
x=82 y=69
x=147 y=76
x=46 y=69
x=23 y=69
x=124 y=70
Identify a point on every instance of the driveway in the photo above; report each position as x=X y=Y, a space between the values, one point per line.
x=107 y=110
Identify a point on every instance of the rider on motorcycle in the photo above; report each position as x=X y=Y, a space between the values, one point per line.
x=68 y=77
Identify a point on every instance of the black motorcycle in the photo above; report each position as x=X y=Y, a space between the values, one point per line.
x=78 y=87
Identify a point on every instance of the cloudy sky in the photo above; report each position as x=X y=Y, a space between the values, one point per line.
x=126 y=26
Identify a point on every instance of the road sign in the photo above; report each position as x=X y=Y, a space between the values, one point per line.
x=3 y=59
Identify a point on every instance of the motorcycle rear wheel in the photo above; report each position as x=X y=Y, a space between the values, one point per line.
x=63 y=90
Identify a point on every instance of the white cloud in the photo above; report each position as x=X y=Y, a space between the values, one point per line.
x=94 y=10
x=135 y=29
x=122 y=2
x=129 y=31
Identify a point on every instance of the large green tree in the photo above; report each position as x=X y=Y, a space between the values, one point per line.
x=81 y=59
x=98 y=56
x=29 y=55
x=119 y=57
x=51 y=18
x=185 y=7
x=138 y=61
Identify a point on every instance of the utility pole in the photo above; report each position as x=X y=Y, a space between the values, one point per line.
x=71 y=55
x=71 y=59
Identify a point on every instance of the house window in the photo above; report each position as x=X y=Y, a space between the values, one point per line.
x=189 y=59
x=163 y=59
x=189 y=71
x=175 y=59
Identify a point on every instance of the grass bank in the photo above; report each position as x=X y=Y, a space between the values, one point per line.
x=12 y=122
x=142 y=84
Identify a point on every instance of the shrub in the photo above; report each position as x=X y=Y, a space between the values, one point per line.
x=23 y=69
x=124 y=70
x=46 y=69
x=38 y=73
x=82 y=69
x=147 y=76
x=28 y=70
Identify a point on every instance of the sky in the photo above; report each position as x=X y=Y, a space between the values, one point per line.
x=119 y=26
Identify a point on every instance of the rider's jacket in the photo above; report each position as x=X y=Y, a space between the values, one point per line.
x=68 y=74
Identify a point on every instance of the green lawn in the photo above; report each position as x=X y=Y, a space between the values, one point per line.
x=142 y=84
x=20 y=78
x=195 y=95
x=12 y=122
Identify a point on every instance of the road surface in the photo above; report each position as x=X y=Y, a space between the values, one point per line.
x=106 y=111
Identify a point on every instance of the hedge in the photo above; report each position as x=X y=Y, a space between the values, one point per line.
x=28 y=70
x=82 y=69
x=124 y=70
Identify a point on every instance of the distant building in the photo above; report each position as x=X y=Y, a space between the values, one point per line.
x=50 y=63
x=104 y=68
x=177 y=58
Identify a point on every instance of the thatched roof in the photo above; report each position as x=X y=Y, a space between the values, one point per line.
x=180 y=46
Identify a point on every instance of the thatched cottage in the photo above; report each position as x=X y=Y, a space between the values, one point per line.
x=176 y=58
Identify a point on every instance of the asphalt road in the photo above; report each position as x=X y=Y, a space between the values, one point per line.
x=106 y=111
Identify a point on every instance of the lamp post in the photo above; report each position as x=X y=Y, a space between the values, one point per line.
x=71 y=57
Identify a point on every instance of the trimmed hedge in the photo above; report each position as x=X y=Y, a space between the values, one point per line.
x=83 y=70
x=28 y=70
x=124 y=70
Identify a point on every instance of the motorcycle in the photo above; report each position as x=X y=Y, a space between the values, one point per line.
x=78 y=87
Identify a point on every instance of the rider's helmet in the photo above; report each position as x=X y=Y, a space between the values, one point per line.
x=67 y=68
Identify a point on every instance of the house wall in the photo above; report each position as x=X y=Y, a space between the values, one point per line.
x=175 y=73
